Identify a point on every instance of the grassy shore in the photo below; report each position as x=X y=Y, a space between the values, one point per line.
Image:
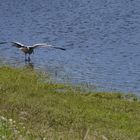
x=31 y=109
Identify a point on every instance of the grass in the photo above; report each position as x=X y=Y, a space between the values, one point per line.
x=10 y=130
x=61 y=112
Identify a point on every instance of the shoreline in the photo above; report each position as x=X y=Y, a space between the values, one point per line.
x=62 y=111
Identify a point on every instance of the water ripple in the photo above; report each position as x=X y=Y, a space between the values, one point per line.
x=101 y=38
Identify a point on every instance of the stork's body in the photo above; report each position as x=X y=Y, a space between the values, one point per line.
x=27 y=50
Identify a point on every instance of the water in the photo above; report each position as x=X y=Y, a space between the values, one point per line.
x=102 y=39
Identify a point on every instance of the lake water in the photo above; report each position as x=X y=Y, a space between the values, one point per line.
x=102 y=38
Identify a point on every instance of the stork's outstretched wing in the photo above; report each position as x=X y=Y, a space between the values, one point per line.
x=41 y=45
x=46 y=45
x=18 y=45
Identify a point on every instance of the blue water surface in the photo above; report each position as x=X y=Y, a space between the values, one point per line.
x=102 y=38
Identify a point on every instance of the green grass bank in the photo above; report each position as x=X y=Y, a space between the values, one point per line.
x=34 y=110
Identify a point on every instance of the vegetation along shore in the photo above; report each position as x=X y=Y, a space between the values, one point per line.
x=31 y=109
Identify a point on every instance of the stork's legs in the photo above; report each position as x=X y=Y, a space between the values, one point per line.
x=25 y=57
x=29 y=59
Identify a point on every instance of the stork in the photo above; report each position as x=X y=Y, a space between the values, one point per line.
x=30 y=49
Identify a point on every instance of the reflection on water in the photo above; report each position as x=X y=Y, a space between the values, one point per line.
x=29 y=65
x=101 y=38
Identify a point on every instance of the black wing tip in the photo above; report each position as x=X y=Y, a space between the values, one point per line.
x=63 y=49
x=8 y=42
x=3 y=42
x=60 y=48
